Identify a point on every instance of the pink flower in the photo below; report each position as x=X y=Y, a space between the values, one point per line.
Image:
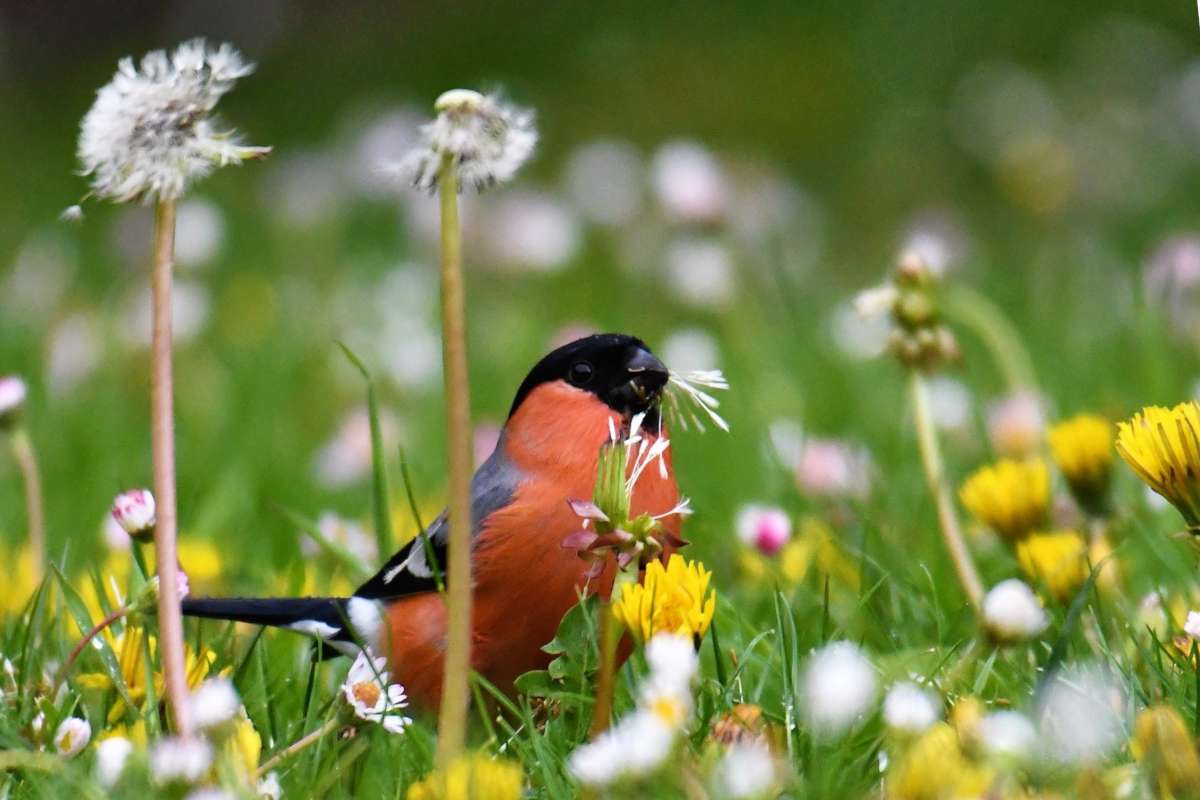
x=765 y=528
x=831 y=468
x=1016 y=424
x=134 y=511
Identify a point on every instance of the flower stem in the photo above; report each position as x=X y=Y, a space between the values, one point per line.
x=452 y=720
x=931 y=459
x=608 y=634
x=295 y=747
x=22 y=447
x=977 y=312
x=162 y=434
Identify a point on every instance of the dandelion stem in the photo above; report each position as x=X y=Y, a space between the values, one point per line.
x=608 y=634
x=162 y=432
x=931 y=459
x=65 y=669
x=295 y=747
x=452 y=720
x=22 y=447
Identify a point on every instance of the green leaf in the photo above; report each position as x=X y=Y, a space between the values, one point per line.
x=379 y=479
x=84 y=622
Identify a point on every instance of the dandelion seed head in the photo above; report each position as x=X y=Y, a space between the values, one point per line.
x=1007 y=735
x=1081 y=715
x=686 y=398
x=909 y=709
x=839 y=687
x=486 y=139
x=149 y=134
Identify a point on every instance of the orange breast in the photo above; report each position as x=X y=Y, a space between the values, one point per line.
x=524 y=581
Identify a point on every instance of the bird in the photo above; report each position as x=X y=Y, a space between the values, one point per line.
x=523 y=579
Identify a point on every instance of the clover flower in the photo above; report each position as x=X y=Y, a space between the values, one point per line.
x=672 y=599
x=149 y=133
x=1083 y=450
x=839 y=687
x=1010 y=497
x=1012 y=613
x=371 y=696
x=485 y=139
x=1058 y=559
x=1163 y=447
x=72 y=736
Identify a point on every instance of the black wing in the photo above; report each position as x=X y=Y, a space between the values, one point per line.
x=409 y=571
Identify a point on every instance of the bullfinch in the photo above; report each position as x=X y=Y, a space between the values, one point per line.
x=524 y=579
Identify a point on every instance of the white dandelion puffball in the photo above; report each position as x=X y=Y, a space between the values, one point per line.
x=149 y=134
x=839 y=687
x=111 y=755
x=1080 y=715
x=214 y=703
x=12 y=395
x=72 y=736
x=909 y=708
x=486 y=140
x=1012 y=613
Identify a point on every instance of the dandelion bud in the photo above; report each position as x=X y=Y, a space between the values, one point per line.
x=72 y=736
x=764 y=528
x=12 y=399
x=1012 y=613
x=111 y=755
x=915 y=309
x=1163 y=745
x=134 y=511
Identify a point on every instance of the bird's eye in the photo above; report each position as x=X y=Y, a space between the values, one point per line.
x=580 y=374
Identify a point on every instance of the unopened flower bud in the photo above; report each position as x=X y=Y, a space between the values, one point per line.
x=911 y=269
x=72 y=736
x=134 y=511
x=12 y=399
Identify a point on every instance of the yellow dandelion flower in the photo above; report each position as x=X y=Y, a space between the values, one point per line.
x=21 y=582
x=675 y=599
x=1010 y=497
x=244 y=746
x=937 y=769
x=1101 y=554
x=130 y=650
x=1164 y=747
x=1163 y=447
x=816 y=544
x=1083 y=450
x=475 y=776
x=1057 y=559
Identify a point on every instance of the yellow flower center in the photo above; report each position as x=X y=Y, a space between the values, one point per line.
x=367 y=693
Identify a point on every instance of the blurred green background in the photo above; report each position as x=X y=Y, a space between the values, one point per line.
x=1043 y=153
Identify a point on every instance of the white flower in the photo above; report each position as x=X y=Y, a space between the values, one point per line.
x=343 y=532
x=950 y=401
x=268 y=788
x=688 y=182
x=149 y=133
x=199 y=230
x=371 y=696
x=604 y=181
x=1007 y=735
x=72 y=736
x=1080 y=715
x=175 y=759
x=74 y=351
x=1012 y=613
x=346 y=457
x=12 y=396
x=487 y=141
x=909 y=708
x=214 y=703
x=876 y=301
x=638 y=744
x=765 y=528
x=690 y=349
x=700 y=272
x=111 y=755
x=672 y=656
x=72 y=213
x=839 y=687
x=1016 y=424
x=209 y=793
x=834 y=469
x=1191 y=625
x=746 y=770
x=530 y=230
x=134 y=510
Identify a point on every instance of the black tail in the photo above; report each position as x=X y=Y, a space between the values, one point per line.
x=325 y=618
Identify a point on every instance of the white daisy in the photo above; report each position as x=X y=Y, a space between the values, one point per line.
x=176 y=759
x=72 y=736
x=747 y=770
x=839 y=687
x=134 y=511
x=909 y=709
x=372 y=697
x=1012 y=613
x=111 y=755
x=487 y=141
x=149 y=134
x=214 y=703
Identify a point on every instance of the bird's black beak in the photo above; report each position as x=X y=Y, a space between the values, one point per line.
x=647 y=377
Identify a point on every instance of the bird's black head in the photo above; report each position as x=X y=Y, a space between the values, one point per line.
x=618 y=369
